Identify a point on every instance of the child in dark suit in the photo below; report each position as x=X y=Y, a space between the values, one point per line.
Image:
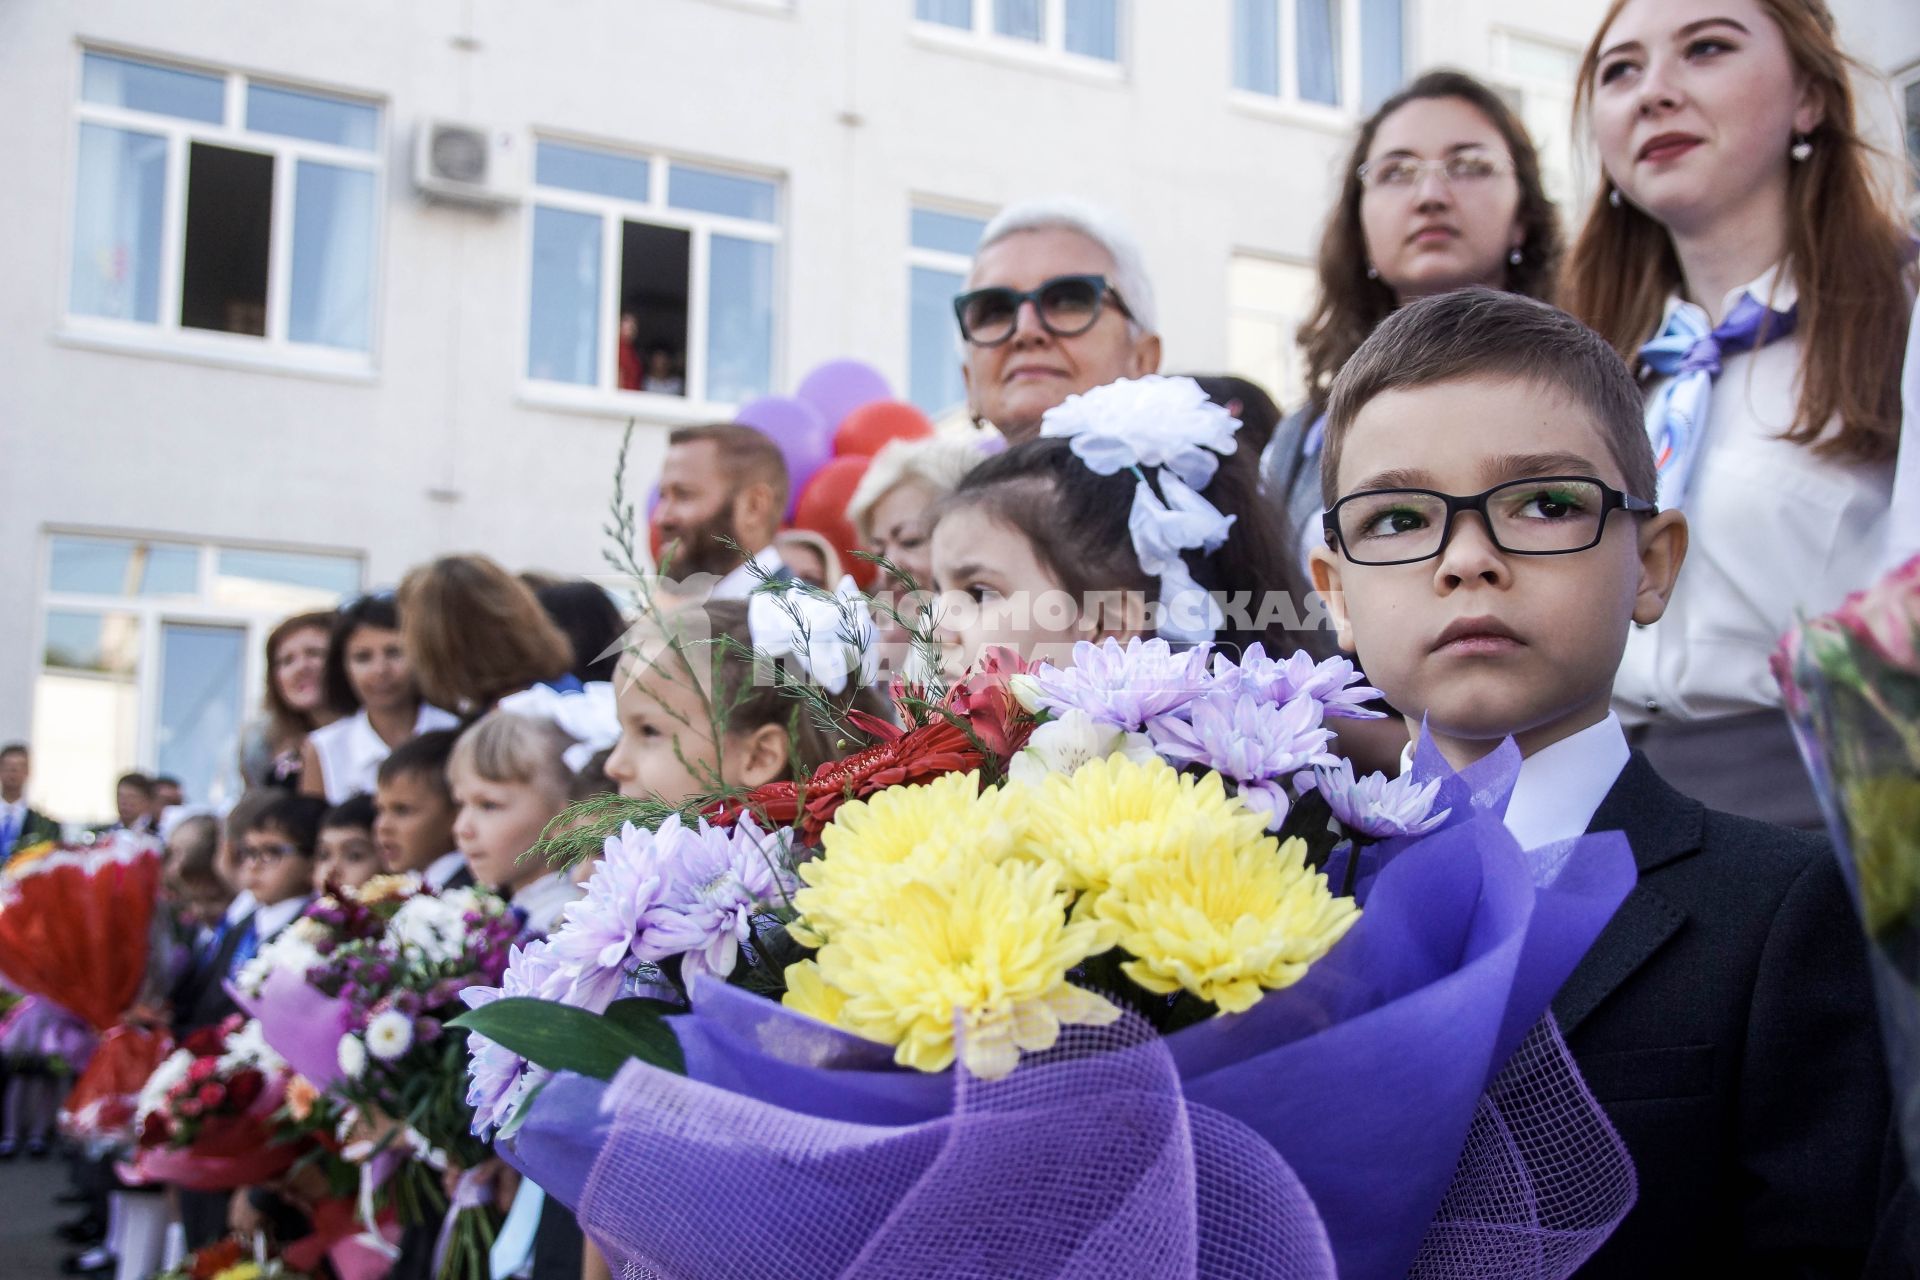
x=1489 y=543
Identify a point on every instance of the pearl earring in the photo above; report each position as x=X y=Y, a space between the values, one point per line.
x=1613 y=196
x=1373 y=272
x=1800 y=149
x=1513 y=255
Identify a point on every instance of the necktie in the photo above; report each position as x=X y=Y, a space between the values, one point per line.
x=1690 y=354
x=9 y=832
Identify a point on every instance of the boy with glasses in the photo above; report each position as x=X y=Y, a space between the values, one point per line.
x=1490 y=541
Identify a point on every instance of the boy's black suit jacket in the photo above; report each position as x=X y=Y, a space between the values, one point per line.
x=1724 y=1021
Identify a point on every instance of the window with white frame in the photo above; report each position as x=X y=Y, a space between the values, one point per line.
x=942 y=244
x=151 y=657
x=1087 y=29
x=1268 y=299
x=651 y=275
x=1349 y=55
x=214 y=203
x=1536 y=77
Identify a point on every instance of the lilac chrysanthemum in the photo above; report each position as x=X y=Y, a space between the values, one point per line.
x=601 y=931
x=499 y=1079
x=1332 y=683
x=1124 y=687
x=717 y=879
x=1376 y=805
x=1249 y=741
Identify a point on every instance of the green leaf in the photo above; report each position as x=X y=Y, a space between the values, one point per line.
x=560 y=1037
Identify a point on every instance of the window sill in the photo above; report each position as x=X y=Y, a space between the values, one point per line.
x=770 y=8
x=592 y=402
x=1314 y=115
x=244 y=354
x=1008 y=52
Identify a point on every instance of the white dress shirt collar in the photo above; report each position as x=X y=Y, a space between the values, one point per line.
x=241 y=907
x=444 y=868
x=1561 y=786
x=1773 y=288
x=269 y=921
x=545 y=899
x=739 y=584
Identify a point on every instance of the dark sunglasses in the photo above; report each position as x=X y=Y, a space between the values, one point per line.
x=1066 y=305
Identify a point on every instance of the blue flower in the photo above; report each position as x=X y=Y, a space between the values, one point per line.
x=1376 y=805
x=1124 y=687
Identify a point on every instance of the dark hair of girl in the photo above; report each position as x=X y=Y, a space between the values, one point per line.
x=1076 y=521
x=376 y=610
x=590 y=622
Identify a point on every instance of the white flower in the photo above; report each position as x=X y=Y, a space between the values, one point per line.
x=353 y=1057
x=292 y=951
x=433 y=926
x=1026 y=691
x=1076 y=738
x=153 y=1094
x=248 y=1047
x=389 y=1035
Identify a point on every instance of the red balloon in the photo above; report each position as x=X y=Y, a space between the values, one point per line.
x=866 y=429
x=823 y=509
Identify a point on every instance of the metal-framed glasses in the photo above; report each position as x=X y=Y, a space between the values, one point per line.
x=1066 y=306
x=1541 y=516
x=1403 y=173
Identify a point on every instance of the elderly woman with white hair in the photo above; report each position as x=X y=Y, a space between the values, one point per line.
x=1057 y=303
x=892 y=514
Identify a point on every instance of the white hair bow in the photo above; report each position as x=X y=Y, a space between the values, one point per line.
x=1167 y=423
x=830 y=637
x=587 y=714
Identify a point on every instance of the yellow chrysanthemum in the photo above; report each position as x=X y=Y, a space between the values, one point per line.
x=808 y=993
x=1224 y=919
x=872 y=846
x=1115 y=813
x=988 y=944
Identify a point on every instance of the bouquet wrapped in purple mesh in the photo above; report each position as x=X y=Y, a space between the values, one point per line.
x=1163 y=990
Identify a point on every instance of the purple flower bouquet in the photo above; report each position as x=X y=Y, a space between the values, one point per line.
x=1253 y=1077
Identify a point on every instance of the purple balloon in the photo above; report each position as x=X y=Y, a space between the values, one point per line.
x=838 y=387
x=805 y=440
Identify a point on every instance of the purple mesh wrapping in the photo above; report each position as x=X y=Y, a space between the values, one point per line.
x=1369 y=1088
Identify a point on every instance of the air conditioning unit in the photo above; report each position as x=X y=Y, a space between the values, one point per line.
x=466 y=163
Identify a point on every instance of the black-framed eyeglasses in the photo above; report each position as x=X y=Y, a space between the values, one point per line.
x=1067 y=306
x=1538 y=516
x=266 y=852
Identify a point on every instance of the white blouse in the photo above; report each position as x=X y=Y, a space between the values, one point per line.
x=1777 y=533
x=350 y=751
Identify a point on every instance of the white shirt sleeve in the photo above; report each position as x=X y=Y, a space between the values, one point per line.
x=1903 y=525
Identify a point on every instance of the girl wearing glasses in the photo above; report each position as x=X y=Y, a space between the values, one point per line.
x=1741 y=258
x=1442 y=191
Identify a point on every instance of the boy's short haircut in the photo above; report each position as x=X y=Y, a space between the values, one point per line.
x=14 y=749
x=355 y=811
x=1485 y=333
x=196 y=843
x=138 y=781
x=296 y=817
x=424 y=755
x=246 y=809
